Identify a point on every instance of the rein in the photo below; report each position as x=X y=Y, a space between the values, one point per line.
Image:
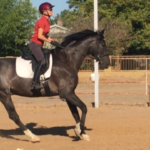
x=98 y=58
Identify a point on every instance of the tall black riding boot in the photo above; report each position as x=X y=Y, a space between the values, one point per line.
x=36 y=78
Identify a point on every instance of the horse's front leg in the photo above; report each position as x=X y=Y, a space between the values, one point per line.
x=6 y=100
x=74 y=111
x=73 y=102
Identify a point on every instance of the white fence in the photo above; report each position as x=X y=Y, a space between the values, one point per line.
x=130 y=63
x=125 y=69
x=138 y=64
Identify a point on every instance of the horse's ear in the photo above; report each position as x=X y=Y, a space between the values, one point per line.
x=101 y=34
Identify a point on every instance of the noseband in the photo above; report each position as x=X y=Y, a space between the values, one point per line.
x=98 y=58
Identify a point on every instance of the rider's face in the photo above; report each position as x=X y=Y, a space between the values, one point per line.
x=48 y=12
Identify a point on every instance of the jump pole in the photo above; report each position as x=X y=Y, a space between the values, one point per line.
x=96 y=65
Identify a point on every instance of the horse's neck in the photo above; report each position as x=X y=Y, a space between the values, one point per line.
x=79 y=54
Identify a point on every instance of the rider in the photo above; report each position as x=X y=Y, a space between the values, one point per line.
x=42 y=27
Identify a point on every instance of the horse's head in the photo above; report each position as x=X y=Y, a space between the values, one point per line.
x=99 y=51
x=88 y=42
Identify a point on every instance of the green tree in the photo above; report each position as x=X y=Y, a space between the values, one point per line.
x=82 y=8
x=17 y=18
x=64 y=15
x=75 y=4
x=135 y=14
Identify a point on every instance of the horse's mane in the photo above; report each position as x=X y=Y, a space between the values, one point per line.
x=78 y=36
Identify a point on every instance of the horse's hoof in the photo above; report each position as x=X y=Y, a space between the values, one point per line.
x=85 y=137
x=35 y=139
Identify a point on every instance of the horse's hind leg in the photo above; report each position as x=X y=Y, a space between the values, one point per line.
x=6 y=100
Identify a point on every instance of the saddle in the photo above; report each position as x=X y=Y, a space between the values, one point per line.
x=28 y=56
x=26 y=65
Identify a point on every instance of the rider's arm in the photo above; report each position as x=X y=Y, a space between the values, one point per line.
x=42 y=37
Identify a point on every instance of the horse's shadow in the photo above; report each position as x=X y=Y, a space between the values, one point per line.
x=41 y=130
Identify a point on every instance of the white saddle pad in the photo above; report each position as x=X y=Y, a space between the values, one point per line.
x=24 y=68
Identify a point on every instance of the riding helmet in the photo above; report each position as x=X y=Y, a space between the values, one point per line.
x=45 y=6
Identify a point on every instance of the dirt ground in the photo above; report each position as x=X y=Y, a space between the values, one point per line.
x=120 y=123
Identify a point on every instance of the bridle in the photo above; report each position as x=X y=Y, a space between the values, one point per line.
x=98 y=57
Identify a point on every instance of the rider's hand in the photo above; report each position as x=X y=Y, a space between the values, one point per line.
x=50 y=40
x=55 y=43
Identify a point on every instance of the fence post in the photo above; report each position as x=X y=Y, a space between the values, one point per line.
x=149 y=95
x=146 y=78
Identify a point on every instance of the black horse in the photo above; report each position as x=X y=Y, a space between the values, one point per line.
x=63 y=79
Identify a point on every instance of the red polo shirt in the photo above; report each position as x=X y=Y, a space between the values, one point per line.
x=43 y=23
